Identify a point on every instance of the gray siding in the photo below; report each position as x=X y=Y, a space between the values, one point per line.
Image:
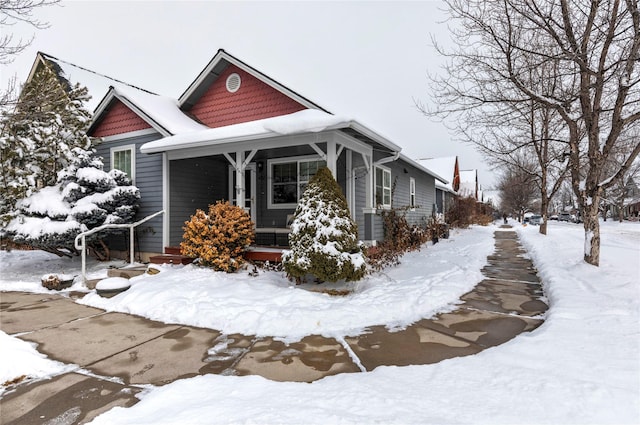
x=425 y=192
x=401 y=172
x=148 y=179
x=195 y=183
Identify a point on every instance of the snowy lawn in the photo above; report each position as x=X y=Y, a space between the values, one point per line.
x=428 y=281
x=581 y=366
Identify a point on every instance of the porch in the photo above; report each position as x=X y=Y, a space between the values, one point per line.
x=265 y=171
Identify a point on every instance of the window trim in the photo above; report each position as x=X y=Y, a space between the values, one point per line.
x=123 y=148
x=375 y=185
x=412 y=193
x=297 y=160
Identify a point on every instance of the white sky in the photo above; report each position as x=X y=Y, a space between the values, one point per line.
x=368 y=60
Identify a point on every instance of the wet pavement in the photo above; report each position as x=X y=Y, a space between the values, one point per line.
x=117 y=354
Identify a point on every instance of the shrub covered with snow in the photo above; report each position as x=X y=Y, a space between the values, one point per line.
x=84 y=198
x=324 y=238
x=220 y=238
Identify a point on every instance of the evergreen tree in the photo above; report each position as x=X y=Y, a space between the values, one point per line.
x=38 y=137
x=324 y=239
x=85 y=197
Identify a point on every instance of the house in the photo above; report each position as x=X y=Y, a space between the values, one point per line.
x=448 y=168
x=469 y=184
x=236 y=134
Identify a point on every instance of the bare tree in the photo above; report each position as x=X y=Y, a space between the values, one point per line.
x=587 y=54
x=517 y=190
x=13 y=12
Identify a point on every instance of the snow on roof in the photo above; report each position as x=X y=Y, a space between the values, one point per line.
x=439 y=179
x=444 y=166
x=164 y=111
x=308 y=120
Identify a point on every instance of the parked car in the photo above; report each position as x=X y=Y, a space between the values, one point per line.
x=554 y=217
x=564 y=216
x=535 y=219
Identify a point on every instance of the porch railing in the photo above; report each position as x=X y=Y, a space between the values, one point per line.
x=80 y=241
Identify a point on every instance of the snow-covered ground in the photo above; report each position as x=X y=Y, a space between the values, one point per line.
x=581 y=366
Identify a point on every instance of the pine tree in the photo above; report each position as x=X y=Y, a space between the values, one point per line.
x=324 y=239
x=85 y=197
x=38 y=136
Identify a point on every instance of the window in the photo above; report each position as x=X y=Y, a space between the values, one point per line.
x=289 y=178
x=383 y=187
x=412 y=192
x=123 y=159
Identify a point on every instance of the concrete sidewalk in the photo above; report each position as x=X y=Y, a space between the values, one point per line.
x=139 y=351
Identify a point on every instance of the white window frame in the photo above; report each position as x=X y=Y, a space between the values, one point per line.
x=297 y=160
x=123 y=148
x=384 y=170
x=412 y=193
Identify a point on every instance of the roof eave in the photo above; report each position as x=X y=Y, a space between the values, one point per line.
x=365 y=131
x=205 y=143
x=423 y=168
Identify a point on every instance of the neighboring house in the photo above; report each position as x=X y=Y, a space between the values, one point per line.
x=448 y=168
x=469 y=184
x=236 y=134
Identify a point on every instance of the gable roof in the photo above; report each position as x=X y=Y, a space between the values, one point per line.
x=161 y=113
x=445 y=166
x=220 y=61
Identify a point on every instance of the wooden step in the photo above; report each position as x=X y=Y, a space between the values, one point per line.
x=175 y=250
x=272 y=255
x=170 y=259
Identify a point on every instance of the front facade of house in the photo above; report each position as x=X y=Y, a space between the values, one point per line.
x=237 y=135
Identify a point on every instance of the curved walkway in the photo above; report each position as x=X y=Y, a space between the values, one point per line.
x=139 y=351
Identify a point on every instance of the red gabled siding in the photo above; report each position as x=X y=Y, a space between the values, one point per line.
x=254 y=100
x=456 y=176
x=119 y=119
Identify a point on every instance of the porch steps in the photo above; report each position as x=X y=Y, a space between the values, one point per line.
x=264 y=253
x=172 y=255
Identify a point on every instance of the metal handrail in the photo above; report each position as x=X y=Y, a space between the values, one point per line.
x=83 y=246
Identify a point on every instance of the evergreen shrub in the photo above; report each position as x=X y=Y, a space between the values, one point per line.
x=324 y=239
x=220 y=238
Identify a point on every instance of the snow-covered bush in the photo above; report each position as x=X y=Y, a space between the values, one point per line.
x=85 y=197
x=220 y=238
x=324 y=239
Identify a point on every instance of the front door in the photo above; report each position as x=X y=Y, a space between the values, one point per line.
x=249 y=193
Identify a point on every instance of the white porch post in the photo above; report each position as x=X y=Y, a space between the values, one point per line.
x=331 y=157
x=240 y=183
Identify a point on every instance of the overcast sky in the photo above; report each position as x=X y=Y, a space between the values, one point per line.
x=366 y=60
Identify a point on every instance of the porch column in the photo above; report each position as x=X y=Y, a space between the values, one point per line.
x=240 y=183
x=331 y=158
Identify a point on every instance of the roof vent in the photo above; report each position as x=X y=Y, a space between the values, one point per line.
x=233 y=83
